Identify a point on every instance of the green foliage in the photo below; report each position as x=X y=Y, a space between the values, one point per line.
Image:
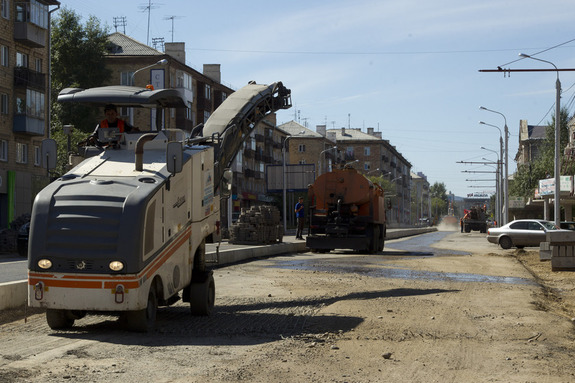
x=527 y=177
x=78 y=53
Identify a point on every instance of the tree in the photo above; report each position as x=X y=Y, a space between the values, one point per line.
x=78 y=53
x=527 y=177
x=439 y=202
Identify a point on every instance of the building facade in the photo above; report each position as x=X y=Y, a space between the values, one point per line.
x=24 y=107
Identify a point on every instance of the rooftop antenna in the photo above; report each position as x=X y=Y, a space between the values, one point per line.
x=172 y=17
x=149 y=8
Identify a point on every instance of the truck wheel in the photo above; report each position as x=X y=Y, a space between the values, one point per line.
x=59 y=319
x=143 y=320
x=203 y=295
x=374 y=245
x=505 y=243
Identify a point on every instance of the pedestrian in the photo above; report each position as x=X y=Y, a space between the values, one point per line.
x=300 y=215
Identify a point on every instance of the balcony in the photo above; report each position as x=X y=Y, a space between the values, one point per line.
x=27 y=78
x=28 y=125
x=30 y=34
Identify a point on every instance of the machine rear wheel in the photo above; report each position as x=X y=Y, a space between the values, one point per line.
x=203 y=295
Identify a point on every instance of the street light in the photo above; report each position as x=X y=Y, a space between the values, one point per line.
x=161 y=62
x=504 y=160
x=557 y=196
x=319 y=162
x=501 y=190
x=497 y=186
x=285 y=178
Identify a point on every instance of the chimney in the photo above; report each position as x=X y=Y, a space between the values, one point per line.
x=331 y=136
x=213 y=71
x=320 y=129
x=370 y=131
x=343 y=131
x=176 y=50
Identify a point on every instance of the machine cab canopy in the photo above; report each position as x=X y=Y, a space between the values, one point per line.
x=120 y=95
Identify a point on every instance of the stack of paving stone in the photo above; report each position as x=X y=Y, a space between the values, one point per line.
x=260 y=225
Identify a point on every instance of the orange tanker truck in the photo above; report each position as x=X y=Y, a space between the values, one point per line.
x=347 y=211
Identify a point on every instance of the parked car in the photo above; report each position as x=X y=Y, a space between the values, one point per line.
x=22 y=240
x=521 y=233
x=567 y=225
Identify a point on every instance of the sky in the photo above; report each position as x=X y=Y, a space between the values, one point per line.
x=409 y=68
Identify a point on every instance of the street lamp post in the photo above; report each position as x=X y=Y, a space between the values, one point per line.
x=506 y=161
x=284 y=183
x=497 y=186
x=501 y=187
x=557 y=196
x=320 y=162
x=161 y=62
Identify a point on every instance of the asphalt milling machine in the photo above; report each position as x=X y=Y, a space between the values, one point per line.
x=126 y=229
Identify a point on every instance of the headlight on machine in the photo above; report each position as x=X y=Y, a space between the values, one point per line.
x=354 y=209
x=44 y=264
x=116 y=266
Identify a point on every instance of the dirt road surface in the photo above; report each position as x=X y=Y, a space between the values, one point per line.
x=489 y=315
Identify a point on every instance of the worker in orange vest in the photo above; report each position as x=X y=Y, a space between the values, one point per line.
x=112 y=121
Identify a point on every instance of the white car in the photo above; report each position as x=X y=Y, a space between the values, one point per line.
x=521 y=233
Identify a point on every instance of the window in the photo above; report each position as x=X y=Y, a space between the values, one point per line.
x=208 y=92
x=366 y=151
x=206 y=115
x=38 y=65
x=4 y=104
x=3 y=150
x=302 y=162
x=188 y=84
x=301 y=148
x=37 y=155
x=21 y=59
x=366 y=166
x=21 y=153
x=34 y=12
x=189 y=111
x=4 y=56
x=34 y=104
x=127 y=78
x=5 y=9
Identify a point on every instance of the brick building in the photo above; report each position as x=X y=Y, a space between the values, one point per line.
x=24 y=107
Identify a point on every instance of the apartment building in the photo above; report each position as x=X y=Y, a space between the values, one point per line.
x=420 y=199
x=24 y=106
x=531 y=138
x=135 y=63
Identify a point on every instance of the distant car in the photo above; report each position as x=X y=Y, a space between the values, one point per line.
x=22 y=240
x=521 y=233
x=567 y=225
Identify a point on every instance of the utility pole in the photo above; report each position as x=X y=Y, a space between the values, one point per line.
x=158 y=41
x=120 y=21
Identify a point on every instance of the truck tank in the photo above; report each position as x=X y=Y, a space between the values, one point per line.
x=347 y=211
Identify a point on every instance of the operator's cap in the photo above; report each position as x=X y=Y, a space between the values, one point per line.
x=110 y=107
